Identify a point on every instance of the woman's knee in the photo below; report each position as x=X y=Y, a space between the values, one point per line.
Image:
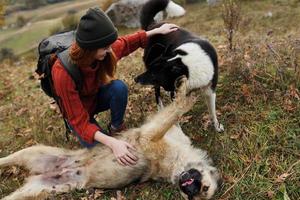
x=118 y=87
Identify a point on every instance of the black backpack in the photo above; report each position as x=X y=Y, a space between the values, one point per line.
x=57 y=45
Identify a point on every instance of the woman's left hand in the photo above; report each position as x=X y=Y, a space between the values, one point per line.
x=163 y=29
x=167 y=28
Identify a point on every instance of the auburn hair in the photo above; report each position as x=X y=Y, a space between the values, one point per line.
x=86 y=57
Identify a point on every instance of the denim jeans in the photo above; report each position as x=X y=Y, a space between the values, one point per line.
x=113 y=97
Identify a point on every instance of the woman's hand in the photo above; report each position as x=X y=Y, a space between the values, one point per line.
x=163 y=29
x=120 y=149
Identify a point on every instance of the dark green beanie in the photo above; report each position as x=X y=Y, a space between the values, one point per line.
x=95 y=30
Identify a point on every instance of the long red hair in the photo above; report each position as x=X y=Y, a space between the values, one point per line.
x=85 y=57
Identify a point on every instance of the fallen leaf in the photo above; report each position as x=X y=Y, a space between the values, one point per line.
x=288 y=105
x=282 y=177
x=270 y=194
x=98 y=193
x=235 y=136
x=294 y=92
x=229 y=179
x=50 y=128
x=186 y=119
x=27 y=130
x=245 y=90
x=21 y=112
x=30 y=142
x=120 y=196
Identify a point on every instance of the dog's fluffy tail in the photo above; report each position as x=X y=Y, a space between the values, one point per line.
x=149 y=10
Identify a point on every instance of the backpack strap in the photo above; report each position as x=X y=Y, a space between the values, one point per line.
x=75 y=74
x=71 y=68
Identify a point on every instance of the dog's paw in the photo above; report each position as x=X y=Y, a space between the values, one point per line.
x=219 y=127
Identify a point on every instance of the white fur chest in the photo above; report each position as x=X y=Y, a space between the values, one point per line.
x=199 y=64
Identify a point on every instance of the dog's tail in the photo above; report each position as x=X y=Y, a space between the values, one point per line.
x=149 y=10
x=160 y=123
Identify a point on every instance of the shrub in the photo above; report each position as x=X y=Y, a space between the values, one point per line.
x=21 y=21
x=231 y=15
x=56 y=29
x=7 y=53
x=70 y=21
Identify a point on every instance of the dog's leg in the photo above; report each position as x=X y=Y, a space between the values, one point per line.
x=20 y=157
x=160 y=123
x=39 y=159
x=158 y=100
x=41 y=186
x=210 y=97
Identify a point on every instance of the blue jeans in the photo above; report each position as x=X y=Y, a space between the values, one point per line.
x=113 y=97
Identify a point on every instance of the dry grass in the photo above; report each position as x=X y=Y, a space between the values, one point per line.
x=258 y=101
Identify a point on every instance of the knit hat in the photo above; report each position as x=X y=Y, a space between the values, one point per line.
x=95 y=30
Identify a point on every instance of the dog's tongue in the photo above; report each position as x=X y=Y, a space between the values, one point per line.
x=187 y=182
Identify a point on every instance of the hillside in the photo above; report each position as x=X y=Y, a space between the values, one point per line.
x=258 y=101
x=39 y=23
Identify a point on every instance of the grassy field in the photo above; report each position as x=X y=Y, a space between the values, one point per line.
x=258 y=101
x=52 y=10
x=40 y=22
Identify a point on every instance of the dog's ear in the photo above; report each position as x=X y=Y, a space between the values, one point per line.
x=145 y=78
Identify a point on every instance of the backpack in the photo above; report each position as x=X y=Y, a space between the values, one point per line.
x=57 y=46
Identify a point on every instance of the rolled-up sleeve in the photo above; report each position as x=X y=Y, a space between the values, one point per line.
x=127 y=44
x=71 y=105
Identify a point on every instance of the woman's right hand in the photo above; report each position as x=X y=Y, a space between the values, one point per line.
x=121 y=150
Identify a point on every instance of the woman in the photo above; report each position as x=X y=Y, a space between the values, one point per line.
x=95 y=52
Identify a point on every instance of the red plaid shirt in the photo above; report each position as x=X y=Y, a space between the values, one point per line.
x=78 y=108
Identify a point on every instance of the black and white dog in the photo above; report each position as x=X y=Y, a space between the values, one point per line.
x=178 y=53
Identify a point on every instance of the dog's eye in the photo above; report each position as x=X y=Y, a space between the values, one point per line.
x=205 y=188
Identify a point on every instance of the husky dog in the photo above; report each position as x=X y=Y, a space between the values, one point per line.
x=178 y=53
x=164 y=152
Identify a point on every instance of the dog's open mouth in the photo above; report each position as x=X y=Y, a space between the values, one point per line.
x=187 y=182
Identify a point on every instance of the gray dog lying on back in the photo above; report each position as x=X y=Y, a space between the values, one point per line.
x=164 y=152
